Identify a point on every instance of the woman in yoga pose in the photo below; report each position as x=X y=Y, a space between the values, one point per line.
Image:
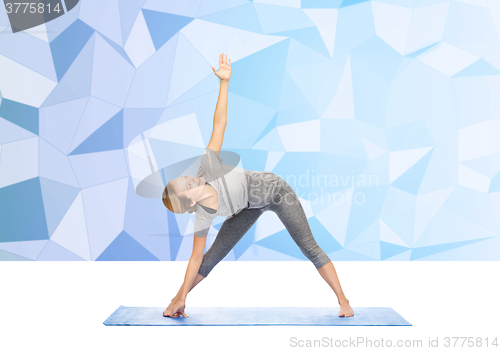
x=242 y=196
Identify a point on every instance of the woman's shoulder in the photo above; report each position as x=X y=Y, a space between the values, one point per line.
x=210 y=163
x=202 y=213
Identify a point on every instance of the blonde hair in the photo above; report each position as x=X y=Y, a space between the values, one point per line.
x=174 y=203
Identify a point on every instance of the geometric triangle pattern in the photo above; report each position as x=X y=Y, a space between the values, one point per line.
x=383 y=116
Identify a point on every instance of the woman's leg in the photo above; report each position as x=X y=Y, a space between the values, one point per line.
x=289 y=210
x=231 y=231
x=330 y=276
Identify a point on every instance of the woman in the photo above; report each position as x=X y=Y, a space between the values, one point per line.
x=242 y=196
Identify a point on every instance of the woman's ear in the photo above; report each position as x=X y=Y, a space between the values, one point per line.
x=192 y=203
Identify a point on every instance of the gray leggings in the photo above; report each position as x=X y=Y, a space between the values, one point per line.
x=287 y=206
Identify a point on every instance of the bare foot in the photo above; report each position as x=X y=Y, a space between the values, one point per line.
x=168 y=310
x=165 y=313
x=345 y=310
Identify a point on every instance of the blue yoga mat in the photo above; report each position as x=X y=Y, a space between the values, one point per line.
x=256 y=316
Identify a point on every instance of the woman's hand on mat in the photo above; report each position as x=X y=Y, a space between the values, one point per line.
x=171 y=305
x=168 y=311
x=224 y=72
x=176 y=309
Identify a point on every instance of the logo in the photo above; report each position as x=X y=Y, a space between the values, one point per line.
x=25 y=15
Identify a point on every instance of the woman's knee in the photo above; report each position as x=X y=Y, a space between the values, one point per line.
x=321 y=262
x=209 y=261
x=204 y=271
x=316 y=255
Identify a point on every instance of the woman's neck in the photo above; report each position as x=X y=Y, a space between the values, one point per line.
x=209 y=198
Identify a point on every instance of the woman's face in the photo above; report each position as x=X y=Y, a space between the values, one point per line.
x=188 y=186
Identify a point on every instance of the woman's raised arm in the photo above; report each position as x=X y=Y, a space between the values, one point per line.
x=220 y=116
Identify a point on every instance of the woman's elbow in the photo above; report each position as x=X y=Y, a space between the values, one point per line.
x=198 y=248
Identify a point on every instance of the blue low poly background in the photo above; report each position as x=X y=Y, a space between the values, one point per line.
x=404 y=92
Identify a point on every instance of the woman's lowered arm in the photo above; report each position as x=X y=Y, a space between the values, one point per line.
x=176 y=308
x=193 y=265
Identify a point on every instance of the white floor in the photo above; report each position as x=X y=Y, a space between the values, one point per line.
x=62 y=305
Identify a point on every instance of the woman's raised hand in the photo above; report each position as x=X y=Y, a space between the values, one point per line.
x=224 y=71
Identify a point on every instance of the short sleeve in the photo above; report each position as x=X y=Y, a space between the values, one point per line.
x=201 y=226
x=210 y=163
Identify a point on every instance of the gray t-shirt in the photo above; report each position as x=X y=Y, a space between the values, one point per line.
x=236 y=188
